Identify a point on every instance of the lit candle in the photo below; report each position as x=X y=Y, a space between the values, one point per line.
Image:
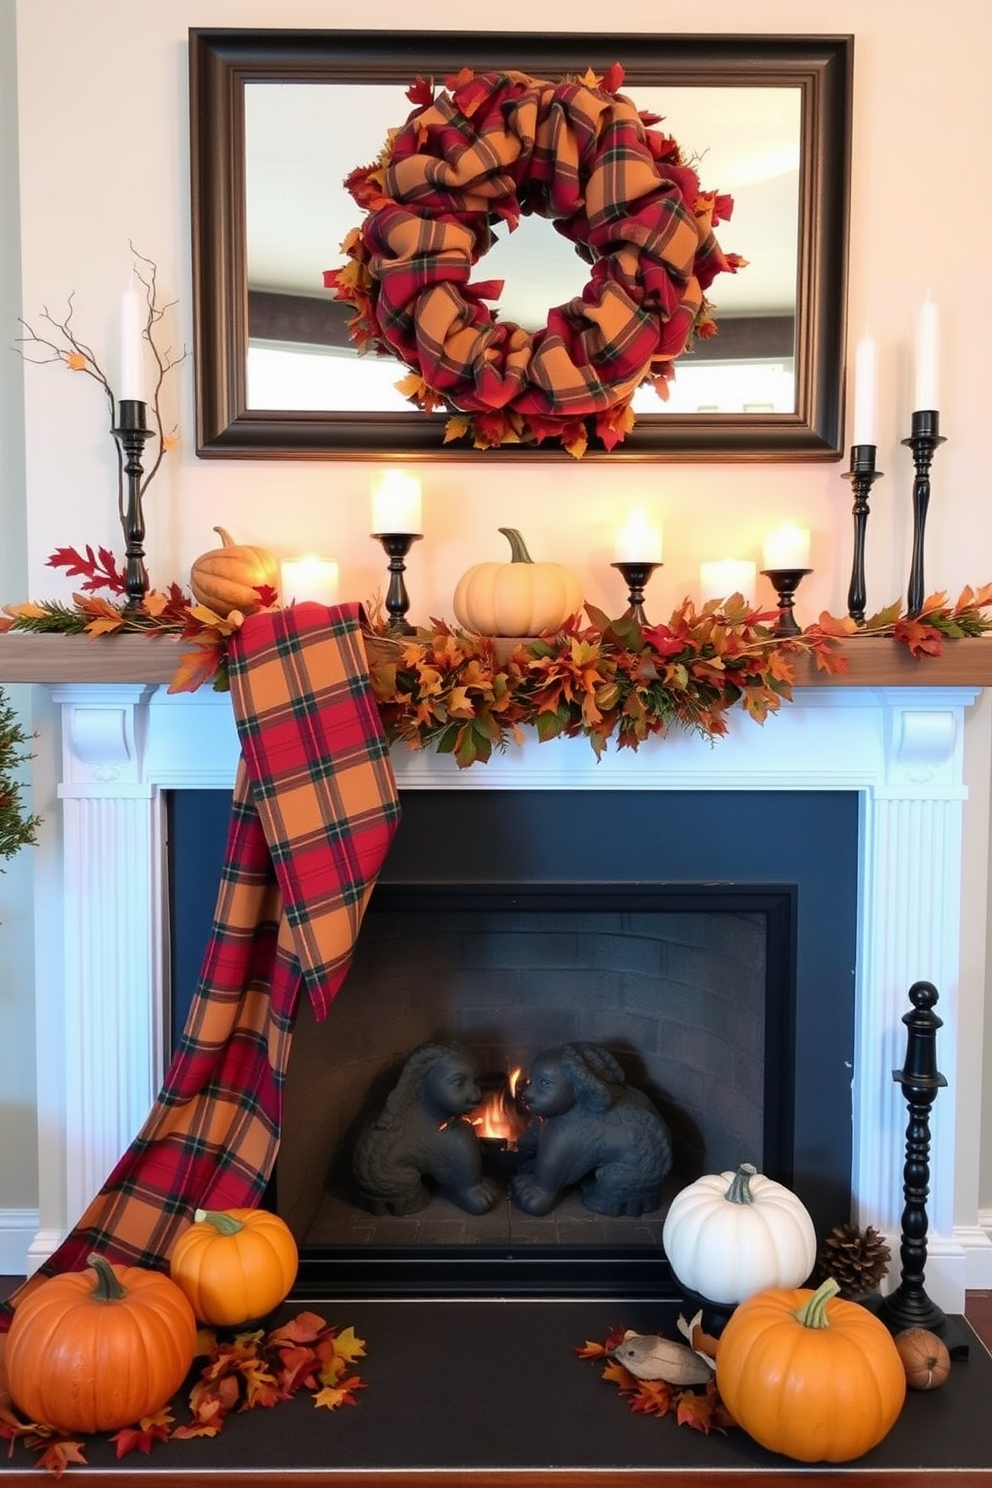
x=927 y=358
x=639 y=540
x=865 y=392
x=134 y=317
x=787 y=547
x=309 y=578
x=726 y=576
x=395 y=502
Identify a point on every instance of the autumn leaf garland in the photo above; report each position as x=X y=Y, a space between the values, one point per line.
x=602 y=679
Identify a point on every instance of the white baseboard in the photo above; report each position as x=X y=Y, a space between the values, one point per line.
x=18 y=1229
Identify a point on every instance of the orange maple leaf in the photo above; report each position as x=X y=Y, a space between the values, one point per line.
x=197 y=666
x=696 y=1411
x=60 y=1455
x=333 y=1396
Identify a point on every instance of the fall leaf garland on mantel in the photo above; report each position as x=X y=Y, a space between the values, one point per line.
x=603 y=679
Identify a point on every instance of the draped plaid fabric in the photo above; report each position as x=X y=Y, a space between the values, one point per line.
x=504 y=143
x=314 y=812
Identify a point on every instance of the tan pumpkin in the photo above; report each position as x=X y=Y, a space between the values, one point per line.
x=227 y=578
x=95 y=1352
x=519 y=598
x=234 y=1265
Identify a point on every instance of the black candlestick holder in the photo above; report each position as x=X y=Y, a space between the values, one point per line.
x=862 y=476
x=909 y=1306
x=785 y=582
x=132 y=433
x=923 y=441
x=636 y=575
x=396 y=546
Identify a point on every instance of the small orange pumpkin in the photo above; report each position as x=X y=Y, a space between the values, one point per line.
x=809 y=1374
x=227 y=578
x=95 y=1352
x=519 y=598
x=234 y=1265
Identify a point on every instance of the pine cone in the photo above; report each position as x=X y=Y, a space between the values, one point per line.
x=856 y=1259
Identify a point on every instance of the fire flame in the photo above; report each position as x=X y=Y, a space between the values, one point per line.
x=498 y=1119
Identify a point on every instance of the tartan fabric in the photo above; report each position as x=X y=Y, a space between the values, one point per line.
x=313 y=813
x=502 y=144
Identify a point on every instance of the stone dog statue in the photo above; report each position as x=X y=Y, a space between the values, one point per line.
x=594 y=1130
x=419 y=1134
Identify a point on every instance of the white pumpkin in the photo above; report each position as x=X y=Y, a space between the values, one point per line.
x=519 y=598
x=728 y=1235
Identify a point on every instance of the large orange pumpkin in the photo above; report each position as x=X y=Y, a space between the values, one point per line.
x=97 y=1350
x=227 y=578
x=234 y=1265
x=810 y=1375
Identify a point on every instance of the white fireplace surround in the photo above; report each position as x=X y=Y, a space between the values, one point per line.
x=103 y=988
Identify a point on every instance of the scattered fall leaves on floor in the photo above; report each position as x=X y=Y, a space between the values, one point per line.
x=236 y=1373
x=699 y=1407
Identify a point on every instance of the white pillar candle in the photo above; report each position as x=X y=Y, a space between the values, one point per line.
x=725 y=576
x=927 y=358
x=310 y=578
x=787 y=547
x=865 y=392
x=639 y=539
x=134 y=317
x=396 y=502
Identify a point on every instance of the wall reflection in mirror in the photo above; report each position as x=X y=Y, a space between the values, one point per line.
x=301 y=142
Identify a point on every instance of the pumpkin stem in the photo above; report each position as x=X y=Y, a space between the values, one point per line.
x=225 y=1223
x=739 y=1191
x=518 y=548
x=108 y=1288
x=813 y=1313
x=226 y=540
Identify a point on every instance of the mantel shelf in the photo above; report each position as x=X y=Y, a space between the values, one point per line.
x=873 y=661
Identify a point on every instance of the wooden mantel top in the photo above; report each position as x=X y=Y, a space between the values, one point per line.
x=873 y=661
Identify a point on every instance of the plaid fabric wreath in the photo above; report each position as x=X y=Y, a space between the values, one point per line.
x=493 y=148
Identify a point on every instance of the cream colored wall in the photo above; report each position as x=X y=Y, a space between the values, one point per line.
x=103 y=155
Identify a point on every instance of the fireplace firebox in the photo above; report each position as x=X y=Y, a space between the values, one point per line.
x=707 y=939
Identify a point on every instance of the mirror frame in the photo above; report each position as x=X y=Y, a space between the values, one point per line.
x=222 y=62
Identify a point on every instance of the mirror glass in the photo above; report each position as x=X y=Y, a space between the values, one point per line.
x=298 y=213
x=279 y=119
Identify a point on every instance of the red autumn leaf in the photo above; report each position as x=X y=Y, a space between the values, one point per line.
x=98 y=570
x=267 y=596
x=922 y=639
x=420 y=93
x=613 y=78
x=148 y=1430
x=305 y=1327
x=652 y=1398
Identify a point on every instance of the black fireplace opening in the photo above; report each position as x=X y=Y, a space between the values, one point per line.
x=512 y=923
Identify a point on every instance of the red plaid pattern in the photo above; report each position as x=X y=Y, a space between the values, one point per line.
x=314 y=812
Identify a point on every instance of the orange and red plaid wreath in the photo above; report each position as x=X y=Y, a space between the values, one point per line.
x=496 y=147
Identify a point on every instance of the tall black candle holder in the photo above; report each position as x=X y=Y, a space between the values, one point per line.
x=396 y=546
x=923 y=441
x=862 y=476
x=636 y=576
x=132 y=433
x=909 y=1306
x=785 y=582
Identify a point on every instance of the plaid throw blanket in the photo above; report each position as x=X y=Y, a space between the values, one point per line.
x=314 y=812
x=503 y=144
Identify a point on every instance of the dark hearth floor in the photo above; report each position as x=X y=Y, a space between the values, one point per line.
x=486 y=1392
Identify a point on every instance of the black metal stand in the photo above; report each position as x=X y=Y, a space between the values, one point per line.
x=925 y=438
x=785 y=582
x=396 y=546
x=862 y=476
x=909 y=1306
x=132 y=433
x=636 y=576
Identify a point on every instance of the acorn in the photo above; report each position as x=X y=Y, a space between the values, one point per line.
x=924 y=1357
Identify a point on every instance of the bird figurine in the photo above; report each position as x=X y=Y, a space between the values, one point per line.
x=648 y=1356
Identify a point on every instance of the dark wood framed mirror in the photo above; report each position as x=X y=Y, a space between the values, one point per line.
x=276 y=123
